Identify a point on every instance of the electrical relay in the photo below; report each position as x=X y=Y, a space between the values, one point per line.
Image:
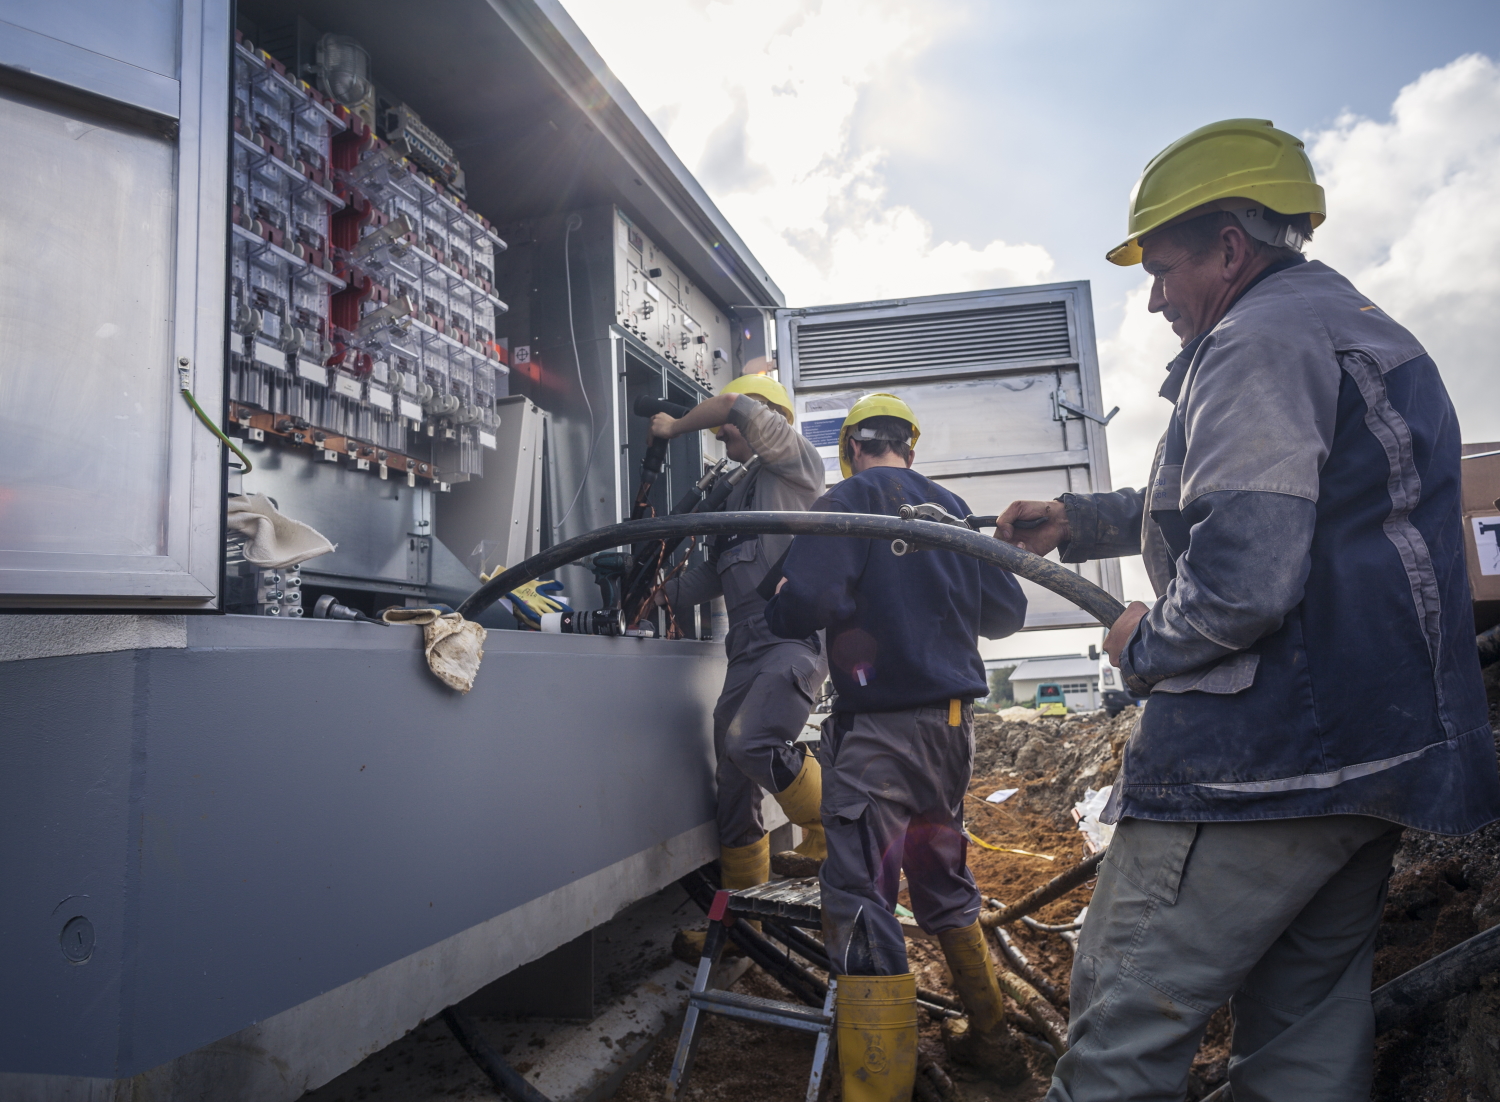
x=361 y=285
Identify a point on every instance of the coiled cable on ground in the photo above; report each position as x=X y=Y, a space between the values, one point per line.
x=1059 y=886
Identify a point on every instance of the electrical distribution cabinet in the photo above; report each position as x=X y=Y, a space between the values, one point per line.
x=294 y=214
x=379 y=321
x=404 y=257
x=603 y=316
x=419 y=262
x=364 y=362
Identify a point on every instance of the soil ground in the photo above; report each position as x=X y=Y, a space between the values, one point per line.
x=1443 y=891
x=1051 y=762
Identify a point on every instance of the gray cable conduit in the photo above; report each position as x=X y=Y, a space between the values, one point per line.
x=919 y=533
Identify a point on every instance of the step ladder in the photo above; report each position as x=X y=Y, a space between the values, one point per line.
x=795 y=902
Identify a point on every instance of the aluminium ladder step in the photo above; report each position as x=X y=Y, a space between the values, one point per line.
x=754 y=1008
x=795 y=902
x=799 y=902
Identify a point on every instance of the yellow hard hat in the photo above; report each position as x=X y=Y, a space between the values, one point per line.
x=875 y=405
x=1235 y=159
x=763 y=386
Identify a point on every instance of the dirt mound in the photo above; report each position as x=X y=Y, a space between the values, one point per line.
x=1057 y=758
x=1047 y=761
x=1444 y=891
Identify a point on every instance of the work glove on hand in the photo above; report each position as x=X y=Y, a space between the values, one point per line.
x=530 y=601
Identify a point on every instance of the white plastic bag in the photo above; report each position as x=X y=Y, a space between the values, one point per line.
x=1089 y=809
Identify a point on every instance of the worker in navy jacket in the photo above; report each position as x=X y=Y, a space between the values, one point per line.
x=903 y=655
x=1310 y=657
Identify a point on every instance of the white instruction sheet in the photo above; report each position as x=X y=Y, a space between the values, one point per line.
x=1487 y=540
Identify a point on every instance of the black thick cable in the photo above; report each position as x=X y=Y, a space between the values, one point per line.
x=917 y=533
x=800 y=943
x=506 y=1079
x=1449 y=974
x=786 y=971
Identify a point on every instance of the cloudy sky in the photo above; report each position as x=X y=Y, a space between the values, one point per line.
x=870 y=148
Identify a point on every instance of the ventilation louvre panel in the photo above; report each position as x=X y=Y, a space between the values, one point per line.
x=922 y=343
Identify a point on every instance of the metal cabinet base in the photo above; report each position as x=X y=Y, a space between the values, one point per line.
x=276 y=846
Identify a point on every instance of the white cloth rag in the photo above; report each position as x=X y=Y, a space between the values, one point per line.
x=454 y=645
x=273 y=540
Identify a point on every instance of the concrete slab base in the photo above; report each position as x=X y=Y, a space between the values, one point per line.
x=640 y=993
x=588 y=1063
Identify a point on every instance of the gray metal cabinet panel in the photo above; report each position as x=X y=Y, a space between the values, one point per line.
x=984 y=372
x=65 y=847
x=142 y=33
x=111 y=295
x=284 y=806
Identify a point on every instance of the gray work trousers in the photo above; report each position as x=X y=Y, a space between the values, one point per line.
x=1277 y=918
x=767 y=695
x=893 y=799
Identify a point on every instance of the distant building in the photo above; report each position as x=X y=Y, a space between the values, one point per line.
x=1078 y=674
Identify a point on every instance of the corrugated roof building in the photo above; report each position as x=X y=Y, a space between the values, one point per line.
x=1077 y=674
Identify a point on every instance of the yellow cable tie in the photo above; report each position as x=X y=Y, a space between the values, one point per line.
x=1004 y=849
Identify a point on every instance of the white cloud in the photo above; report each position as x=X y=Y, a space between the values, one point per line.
x=758 y=98
x=1132 y=367
x=1413 y=221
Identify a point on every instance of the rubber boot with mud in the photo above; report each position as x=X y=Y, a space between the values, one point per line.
x=876 y=1020
x=802 y=800
x=739 y=867
x=981 y=1040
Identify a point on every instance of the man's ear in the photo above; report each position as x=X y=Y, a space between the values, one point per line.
x=1237 y=249
x=911 y=457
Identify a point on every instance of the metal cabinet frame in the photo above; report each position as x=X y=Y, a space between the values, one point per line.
x=191 y=108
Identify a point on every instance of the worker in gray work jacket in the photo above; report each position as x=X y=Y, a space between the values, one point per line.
x=770 y=684
x=903 y=635
x=1310 y=657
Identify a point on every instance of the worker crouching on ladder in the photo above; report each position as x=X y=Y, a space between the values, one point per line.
x=897 y=753
x=771 y=682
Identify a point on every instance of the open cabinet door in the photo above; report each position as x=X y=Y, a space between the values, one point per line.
x=1005 y=384
x=111 y=292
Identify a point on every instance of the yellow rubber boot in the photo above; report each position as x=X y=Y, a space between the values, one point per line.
x=876 y=1019
x=982 y=1040
x=745 y=866
x=739 y=867
x=802 y=800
